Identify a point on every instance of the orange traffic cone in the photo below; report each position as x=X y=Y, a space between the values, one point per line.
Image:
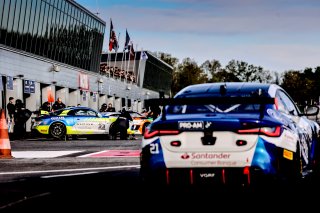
x=5 y=147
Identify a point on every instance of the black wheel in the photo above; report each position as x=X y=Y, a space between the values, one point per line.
x=57 y=130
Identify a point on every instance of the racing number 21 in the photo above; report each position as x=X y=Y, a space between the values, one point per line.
x=154 y=148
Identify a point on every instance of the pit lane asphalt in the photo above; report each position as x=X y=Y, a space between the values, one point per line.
x=118 y=188
x=70 y=162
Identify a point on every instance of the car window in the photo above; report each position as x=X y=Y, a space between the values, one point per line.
x=219 y=108
x=80 y=112
x=286 y=104
x=71 y=112
x=91 y=113
x=57 y=112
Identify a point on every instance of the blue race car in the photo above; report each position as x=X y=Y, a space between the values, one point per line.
x=72 y=121
x=229 y=133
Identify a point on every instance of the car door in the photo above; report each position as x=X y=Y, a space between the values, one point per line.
x=85 y=122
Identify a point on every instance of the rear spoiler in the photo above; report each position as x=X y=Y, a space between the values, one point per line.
x=209 y=100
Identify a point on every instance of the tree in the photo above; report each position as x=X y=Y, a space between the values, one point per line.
x=172 y=61
x=294 y=83
x=187 y=73
x=211 y=68
x=248 y=73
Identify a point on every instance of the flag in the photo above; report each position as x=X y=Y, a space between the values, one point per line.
x=113 y=42
x=127 y=42
x=143 y=56
x=129 y=45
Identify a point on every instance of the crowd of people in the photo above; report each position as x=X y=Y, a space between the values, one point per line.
x=116 y=72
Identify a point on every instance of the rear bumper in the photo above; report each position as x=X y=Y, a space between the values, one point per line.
x=246 y=176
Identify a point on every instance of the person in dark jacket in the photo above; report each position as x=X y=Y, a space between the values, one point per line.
x=110 y=108
x=58 y=104
x=19 y=120
x=11 y=108
x=45 y=108
x=103 y=108
x=121 y=125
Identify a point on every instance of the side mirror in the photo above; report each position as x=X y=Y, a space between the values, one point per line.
x=311 y=110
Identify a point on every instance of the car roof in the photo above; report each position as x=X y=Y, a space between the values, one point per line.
x=214 y=89
x=78 y=107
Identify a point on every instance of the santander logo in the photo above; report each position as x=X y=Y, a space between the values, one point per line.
x=185 y=156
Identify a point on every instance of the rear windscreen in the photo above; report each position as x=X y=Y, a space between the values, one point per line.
x=218 y=108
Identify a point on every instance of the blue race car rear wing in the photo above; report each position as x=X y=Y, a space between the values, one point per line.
x=210 y=100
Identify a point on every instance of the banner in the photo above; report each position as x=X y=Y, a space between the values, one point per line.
x=83 y=81
x=32 y=85
x=9 y=83
x=26 y=87
x=84 y=95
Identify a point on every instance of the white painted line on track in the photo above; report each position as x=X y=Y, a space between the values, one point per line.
x=41 y=154
x=70 y=170
x=66 y=175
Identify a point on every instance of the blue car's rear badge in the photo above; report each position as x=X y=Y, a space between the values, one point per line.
x=191 y=125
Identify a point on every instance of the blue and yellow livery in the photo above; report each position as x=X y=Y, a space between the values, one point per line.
x=73 y=121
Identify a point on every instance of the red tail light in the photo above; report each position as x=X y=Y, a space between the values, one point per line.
x=268 y=131
x=150 y=134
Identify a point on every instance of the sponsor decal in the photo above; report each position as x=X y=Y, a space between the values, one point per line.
x=210 y=156
x=207 y=175
x=217 y=163
x=88 y=125
x=57 y=118
x=191 y=125
x=209 y=159
x=288 y=154
x=204 y=156
x=289 y=138
x=185 y=156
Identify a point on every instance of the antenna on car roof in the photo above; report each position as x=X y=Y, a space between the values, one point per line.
x=223 y=89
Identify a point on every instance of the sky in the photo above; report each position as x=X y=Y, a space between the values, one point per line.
x=278 y=35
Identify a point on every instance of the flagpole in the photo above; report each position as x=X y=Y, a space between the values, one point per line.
x=138 y=74
x=128 y=62
x=123 y=52
x=109 y=61
x=114 y=65
x=134 y=62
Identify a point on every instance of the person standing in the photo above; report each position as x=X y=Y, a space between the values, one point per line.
x=110 y=108
x=58 y=104
x=11 y=110
x=45 y=108
x=19 y=120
